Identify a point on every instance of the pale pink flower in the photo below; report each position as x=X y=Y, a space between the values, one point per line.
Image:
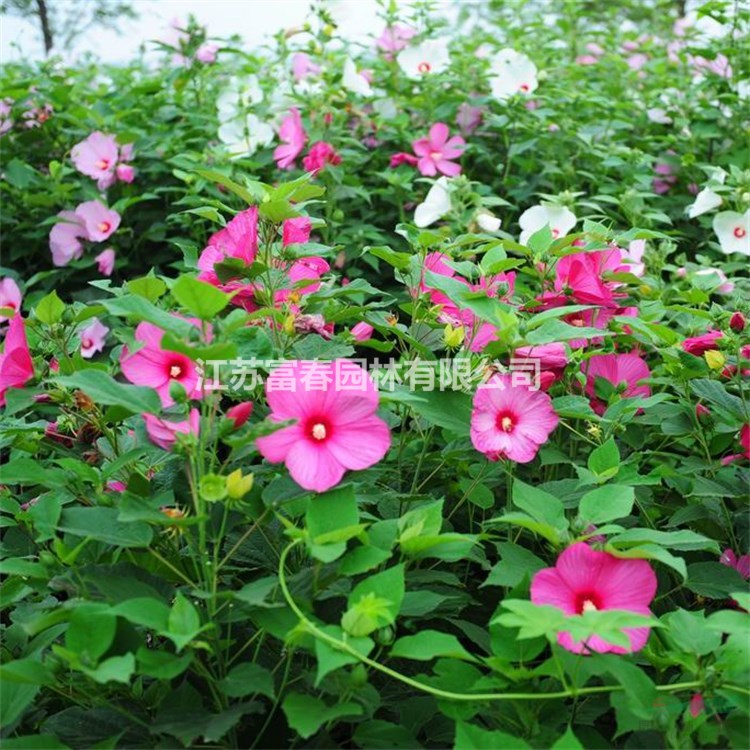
x=65 y=238
x=510 y=421
x=336 y=429
x=294 y=138
x=584 y=580
x=637 y=61
x=623 y=371
x=469 y=117
x=206 y=53
x=303 y=66
x=157 y=368
x=106 y=261
x=99 y=221
x=362 y=331
x=719 y=66
x=16 y=367
x=437 y=151
x=164 y=433
x=93 y=338
x=632 y=258
x=313 y=323
x=664 y=179
x=10 y=297
x=320 y=154
x=96 y=157
x=395 y=38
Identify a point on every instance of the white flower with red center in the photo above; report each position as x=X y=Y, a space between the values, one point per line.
x=512 y=73
x=427 y=58
x=354 y=80
x=733 y=231
x=511 y=420
x=559 y=219
x=93 y=338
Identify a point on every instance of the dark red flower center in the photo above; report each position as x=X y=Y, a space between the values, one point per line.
x=424 y=67
x=506 y=421
x=739 y=232
x=102 y=164
x=588 y=602
x=318 y=429
x=104 y=227
x=524 y=87
x=87 y=343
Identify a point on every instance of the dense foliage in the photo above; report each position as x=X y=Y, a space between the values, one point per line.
x=383 y=395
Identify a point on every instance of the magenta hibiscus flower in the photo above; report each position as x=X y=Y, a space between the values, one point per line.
x=293 y=136
x=437 y=151
x=156 y=368
x=511 y=421
x=585 y=579
x=333 y=405
x=623 y=371
x=16 y=367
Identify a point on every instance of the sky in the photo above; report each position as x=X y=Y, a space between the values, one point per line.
x=254 y=20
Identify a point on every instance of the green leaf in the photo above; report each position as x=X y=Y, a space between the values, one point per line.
x=362 y=559
x=15 y=697
x=306 y=714
x=148 y=612
x=714 y=580
x=607 y=503
x=429 y=644
x=90 y=633
x=540 y=505
x=34 y=742
x=27 y=671
x=50 y=309
x=248 y=679
x=160 y=664
x=516 y=564
x=330 y=512
x=199 y=298
x=102 y=524
x=376 y=734
x=149 y=287
x=105 y=390
x=691 y=632
x=380 y=596
x=684 y=540
x=277 y=211
x=567 y=742
x=141 y=309
x=716 y=393
x=471 y=737
x=114 y=669
x=604 y=461
x=330 y=658
x=184 y=622
x=251 y=194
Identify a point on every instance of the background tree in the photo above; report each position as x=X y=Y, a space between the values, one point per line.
x=61 y=22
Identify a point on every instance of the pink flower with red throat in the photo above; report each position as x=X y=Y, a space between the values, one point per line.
x=10 y=297
x=99 y=221
x=93 y=338
x=437 y=151
x=294 y=138
x=581 y=276
x=320 y=154
x=96 y=157
x=158 y=368
x=585 y=579
x=552 y=359
x=16 y=367
x=625 y=372
x=510 y=421
x=164 y=433
x=65 y=238
x=336 y=429
x=699 y=345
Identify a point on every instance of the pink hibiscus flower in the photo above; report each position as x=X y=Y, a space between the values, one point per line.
x=437 y=151
x=16 y=367
x=585 y=579
x=99 y=221
x=10 y=297
x=320 y=154
x=624 y=371
x=510 y=421
x=65 y=238
x=296 y=231
x=164 y=433
x=294 y=138
x=303 y=66
x=336 y=430
x=395 y=38
x=157 y=368
x=581 y=276
x=96 y=157
x=105 y=261
x=699 y=345
x=403 y=158
x=240 y=413
x=93 y=338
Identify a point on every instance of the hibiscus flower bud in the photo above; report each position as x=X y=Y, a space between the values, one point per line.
x=737 y=322
x=240 y=413
x=715 y=359
x=702 y=412
x=238 y=485
x=453 y=337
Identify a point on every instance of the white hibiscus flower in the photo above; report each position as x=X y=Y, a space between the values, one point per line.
x=733 y=231
x=559 y=219
x=436 y=204
x=512 y=73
